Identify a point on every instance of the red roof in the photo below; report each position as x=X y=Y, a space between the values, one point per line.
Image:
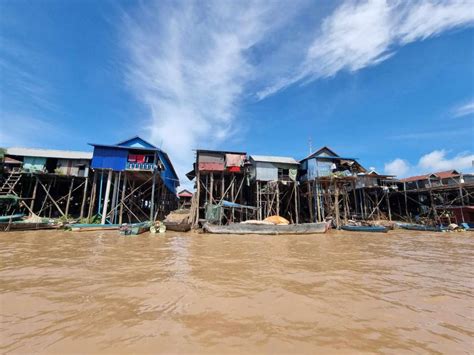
x=440 y=175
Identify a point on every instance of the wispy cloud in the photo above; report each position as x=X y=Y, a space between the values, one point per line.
x=437 y=160
x=464 y=110
x=188 y=63
x=364 y=33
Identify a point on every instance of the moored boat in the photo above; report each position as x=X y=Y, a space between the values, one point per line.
x=86 y=227
x=248 y=228
x=178 y=226
x=135 y=228
x=370 y=229
x=25 y=226
x=421 y=227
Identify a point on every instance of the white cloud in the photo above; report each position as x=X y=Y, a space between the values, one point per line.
x=432 y=162
x=437 y=161
x=398 y=167
x=188 y=64
x=464 y=110
x=361 y=34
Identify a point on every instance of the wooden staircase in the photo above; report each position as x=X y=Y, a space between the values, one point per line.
x=8 y=186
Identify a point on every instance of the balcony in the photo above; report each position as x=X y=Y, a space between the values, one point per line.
x=139 y=166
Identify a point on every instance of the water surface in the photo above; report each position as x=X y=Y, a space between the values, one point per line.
x=404 y=292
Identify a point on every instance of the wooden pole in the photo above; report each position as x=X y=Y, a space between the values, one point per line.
x=388 y=206
x=406 y=200
x=51 y=198
x=115 y=178
x=68 y=202
x=122 y=199
x=84 y=197
x=296 y=202
x=106 y=198
x=310 y=200
x=92 y=197
x=33 y=198
x=211 y=189
x=198 y=196
x=152 y=207
x=278 y=198
x=318 y=202
x=336 y=207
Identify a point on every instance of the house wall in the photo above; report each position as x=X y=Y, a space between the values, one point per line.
x=318 y=169
x=71 y=167
x=109 y=158
x=34 y=163
x=266 y=171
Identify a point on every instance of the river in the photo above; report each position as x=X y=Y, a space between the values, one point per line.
x=90 y=292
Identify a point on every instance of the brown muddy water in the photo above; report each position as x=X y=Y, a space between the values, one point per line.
x=401 y=292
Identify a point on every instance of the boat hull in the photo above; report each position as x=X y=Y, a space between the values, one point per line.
x=366 y=229
x=178 y=227
x=22 y=226
x=420 y=227
x=92 y=227
x=242 y=228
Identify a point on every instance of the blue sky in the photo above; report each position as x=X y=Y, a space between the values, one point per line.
x=388 y=82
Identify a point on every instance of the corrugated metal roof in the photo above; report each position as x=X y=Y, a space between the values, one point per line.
x=49 y=153
x=274 y=159
x=440 y=174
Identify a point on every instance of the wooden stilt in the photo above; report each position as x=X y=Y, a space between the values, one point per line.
x=68 y=202
x=92 y=197
x=122 y=199
x=33 y=197
x=84 y=197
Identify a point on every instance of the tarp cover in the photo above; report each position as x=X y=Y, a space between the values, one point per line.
x=234 y=160
x=211 y=166
x=213 y=213
x=292 y=174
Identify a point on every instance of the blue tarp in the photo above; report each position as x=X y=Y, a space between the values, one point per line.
x=225 y=203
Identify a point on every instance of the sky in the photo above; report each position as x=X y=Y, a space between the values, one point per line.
x=388 y=82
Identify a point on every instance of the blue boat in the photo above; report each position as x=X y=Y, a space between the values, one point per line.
x=370 y=229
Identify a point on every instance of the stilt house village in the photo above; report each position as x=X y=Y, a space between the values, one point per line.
x=133 y=183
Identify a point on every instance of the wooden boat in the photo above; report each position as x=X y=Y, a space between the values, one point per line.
x=178 y=226
x=370 y=229
x=135 y=228
x=25 y=226
x=86 y=227
x=421 y=227
x=247 y=228
x=12 y=217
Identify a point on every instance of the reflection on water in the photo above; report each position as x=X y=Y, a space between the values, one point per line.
x=335 y=293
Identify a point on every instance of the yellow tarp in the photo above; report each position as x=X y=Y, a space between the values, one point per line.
x=277 y=220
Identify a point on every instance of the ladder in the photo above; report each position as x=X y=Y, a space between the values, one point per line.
x=8 y=186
